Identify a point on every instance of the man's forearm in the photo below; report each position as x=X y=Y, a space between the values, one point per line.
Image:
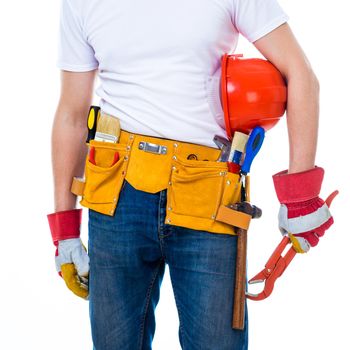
x=302 y=119
x=282 y=49
x=68 y=155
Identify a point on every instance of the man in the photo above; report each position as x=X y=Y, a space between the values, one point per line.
x=153 y=59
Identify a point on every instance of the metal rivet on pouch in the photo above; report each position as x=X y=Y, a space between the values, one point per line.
x=174 y=157
x=170 y=183
x=213 y=216
x=228 y=182
x=168 y=220
x=114 y=200
x=126 y=158
x=174 y=168
x=170 y=208
x=131 y=137
x=175 y=145
x=222 y=173
x=128 y=147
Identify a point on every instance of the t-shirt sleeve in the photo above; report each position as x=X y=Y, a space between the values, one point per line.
x=74 y=52
x=256 y=18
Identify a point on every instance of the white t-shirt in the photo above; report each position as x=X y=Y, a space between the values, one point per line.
x=156 y=59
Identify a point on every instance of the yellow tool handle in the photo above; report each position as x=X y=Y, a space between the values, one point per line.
x=93 y=117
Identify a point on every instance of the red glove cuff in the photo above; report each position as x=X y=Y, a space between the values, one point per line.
x=298 y=187
x=65 y=224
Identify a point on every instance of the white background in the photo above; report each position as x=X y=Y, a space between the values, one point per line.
x=309 y=307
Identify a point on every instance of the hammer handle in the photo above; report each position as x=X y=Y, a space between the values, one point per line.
x=240 y=281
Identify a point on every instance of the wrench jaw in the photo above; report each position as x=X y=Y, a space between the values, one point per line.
x=268 y=286
x=255 y=296
x=274 y=269
x=259 y=296
x=261 y=277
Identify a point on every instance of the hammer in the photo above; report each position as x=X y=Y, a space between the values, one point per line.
x=241 y=265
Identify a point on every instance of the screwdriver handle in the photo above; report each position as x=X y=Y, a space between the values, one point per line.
x=253 y=146
x=92 y=120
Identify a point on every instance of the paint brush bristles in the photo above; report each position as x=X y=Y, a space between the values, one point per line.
x=108 y=129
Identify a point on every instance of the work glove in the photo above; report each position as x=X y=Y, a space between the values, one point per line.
x=71 y=258
x=303 y=215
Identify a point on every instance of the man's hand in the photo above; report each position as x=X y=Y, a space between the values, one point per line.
x=72 y=264
x=303 y=215
x=72 y=261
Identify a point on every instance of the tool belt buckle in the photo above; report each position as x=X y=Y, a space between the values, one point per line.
x=152 y=148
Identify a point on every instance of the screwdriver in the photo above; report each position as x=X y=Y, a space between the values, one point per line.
x=254 y=143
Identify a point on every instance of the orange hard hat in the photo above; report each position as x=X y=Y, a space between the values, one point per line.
x=253 y=93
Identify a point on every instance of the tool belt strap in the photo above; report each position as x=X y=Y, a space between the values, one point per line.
x=196 y=183
x=77 y=187
x=233 y=217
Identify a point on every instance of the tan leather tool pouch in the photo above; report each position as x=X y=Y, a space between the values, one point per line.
x=197 y=189
x=103 y=181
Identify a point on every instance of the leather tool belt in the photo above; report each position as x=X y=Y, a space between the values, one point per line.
x=198 y=186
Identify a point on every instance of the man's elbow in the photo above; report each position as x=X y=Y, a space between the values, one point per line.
x=316 y=83
x=303 y=77
x=312 y=78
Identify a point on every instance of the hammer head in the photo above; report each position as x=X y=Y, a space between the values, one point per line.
x=247 y=208
x=224 y=145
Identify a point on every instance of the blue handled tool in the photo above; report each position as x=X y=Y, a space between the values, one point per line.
x=253 y=146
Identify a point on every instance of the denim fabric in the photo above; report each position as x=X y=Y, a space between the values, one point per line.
x=128 y=253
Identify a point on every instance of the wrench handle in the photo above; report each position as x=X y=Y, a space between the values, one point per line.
x=240 y=281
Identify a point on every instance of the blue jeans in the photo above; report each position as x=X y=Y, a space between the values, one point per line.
x=128 y=253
